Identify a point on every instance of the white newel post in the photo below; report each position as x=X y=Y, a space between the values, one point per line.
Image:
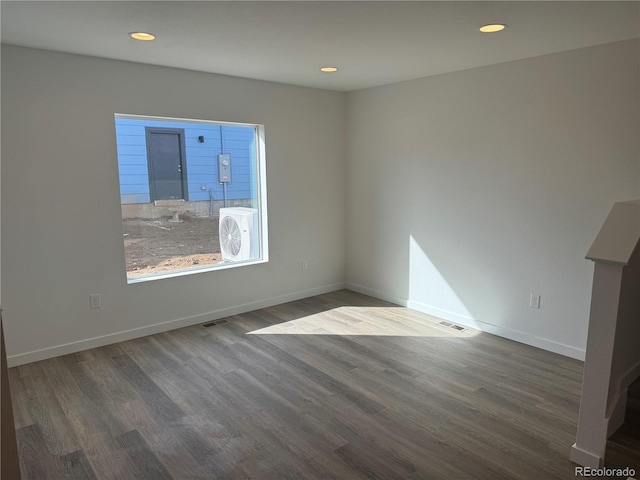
x=611 y=251
x=591 y=439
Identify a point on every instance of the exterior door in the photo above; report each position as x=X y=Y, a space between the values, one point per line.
x=167 y=167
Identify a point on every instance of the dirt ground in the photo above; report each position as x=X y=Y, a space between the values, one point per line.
x=153 y=246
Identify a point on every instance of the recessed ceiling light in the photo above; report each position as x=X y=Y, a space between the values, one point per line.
x=493 y=27
x=144 y=36
x=329 y=69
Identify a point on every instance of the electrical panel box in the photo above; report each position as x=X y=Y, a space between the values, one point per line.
x=224 y=168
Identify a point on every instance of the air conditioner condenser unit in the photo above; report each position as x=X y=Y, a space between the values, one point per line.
x=238 y=229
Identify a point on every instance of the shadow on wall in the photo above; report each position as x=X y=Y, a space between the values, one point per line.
x=455 y=278
x=427 y=288
x=478 y=285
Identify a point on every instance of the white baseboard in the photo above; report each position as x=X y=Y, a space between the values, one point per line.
x=376 y=294
x=584 y=458
x=515 y=335
x=72 y=347
x=444 y=314
x=534 y=341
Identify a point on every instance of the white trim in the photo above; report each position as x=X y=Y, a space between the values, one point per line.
x=532 y=340
x=618 y=410
x=160 y=118
x=261 y=189
x=444 y=314
x=617 y=407
x=261 y=181
x=629 y=376
x=376 y=293
x=64 y=349
x=584 y=458
x=194 y=270
x=515 y=335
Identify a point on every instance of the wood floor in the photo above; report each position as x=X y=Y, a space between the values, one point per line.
x=623 y=447
x=349 y=387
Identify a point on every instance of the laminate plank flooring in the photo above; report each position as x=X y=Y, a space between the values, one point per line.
x=623 y=447
x=337 y=386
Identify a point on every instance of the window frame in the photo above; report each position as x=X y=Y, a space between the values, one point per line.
x=260 y=197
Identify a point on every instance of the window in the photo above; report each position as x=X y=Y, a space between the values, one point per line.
x=193 y=195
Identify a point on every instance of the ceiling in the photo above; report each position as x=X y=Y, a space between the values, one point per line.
x=373 y=43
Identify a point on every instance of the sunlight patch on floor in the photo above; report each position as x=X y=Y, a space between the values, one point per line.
x=370 y=321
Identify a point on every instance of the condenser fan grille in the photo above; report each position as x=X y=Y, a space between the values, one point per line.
x=239 y=230
x=230 y=236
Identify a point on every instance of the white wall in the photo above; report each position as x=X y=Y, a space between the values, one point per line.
x=469 y=191
x=466 y=193
x=61 y=220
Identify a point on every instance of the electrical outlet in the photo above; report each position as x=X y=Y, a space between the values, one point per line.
x=534 y=301
x=305 y=265
x=94 y=300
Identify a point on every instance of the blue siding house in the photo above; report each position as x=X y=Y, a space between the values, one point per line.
x=199 y=144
